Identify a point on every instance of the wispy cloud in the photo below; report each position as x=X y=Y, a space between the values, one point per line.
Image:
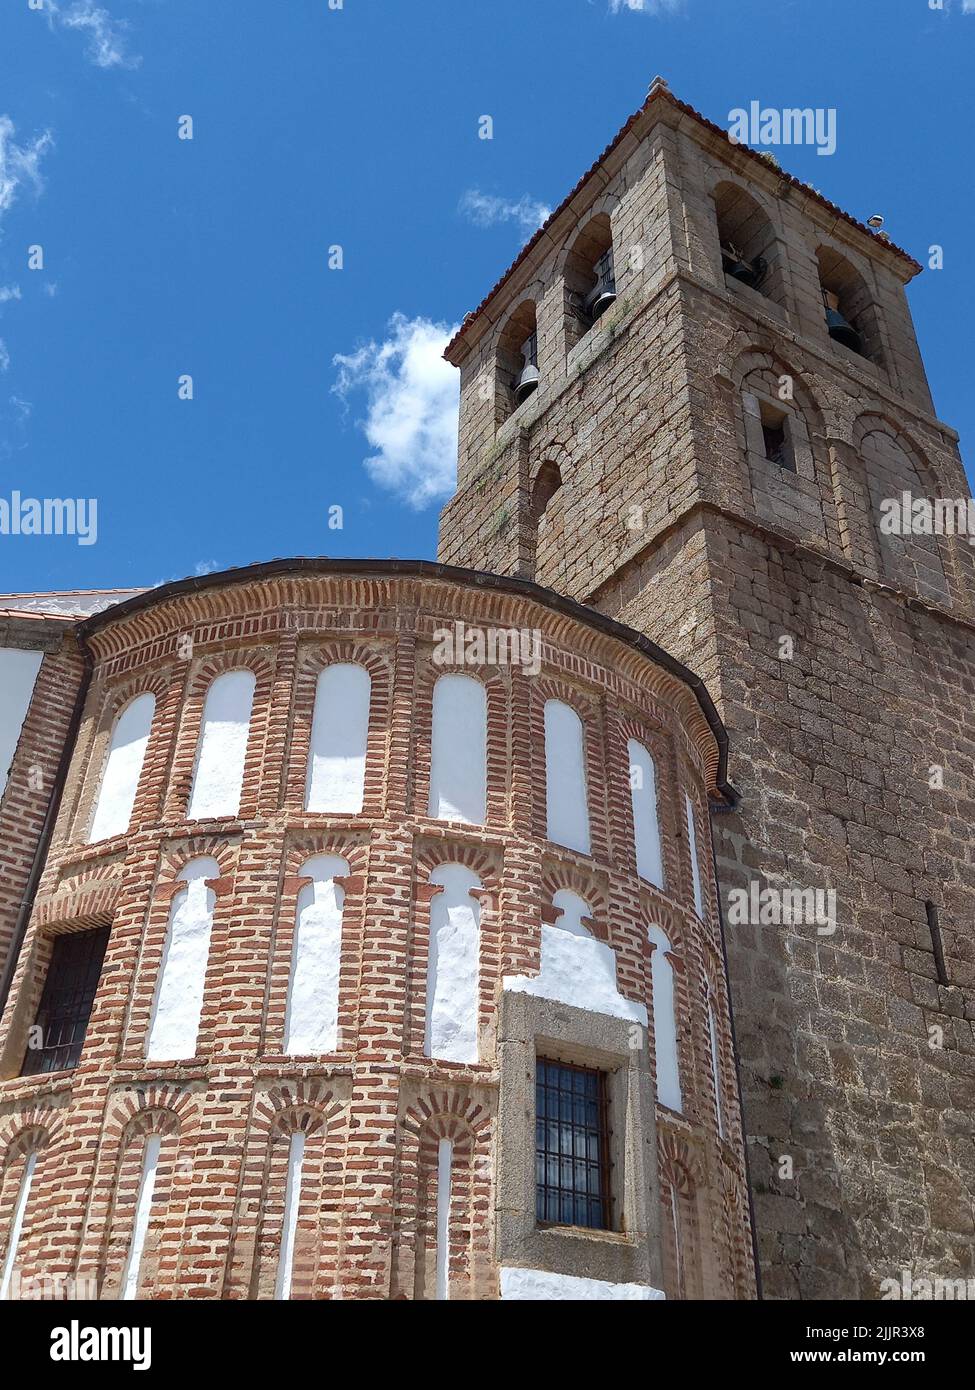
x=651 y=6
x=203 y=567
x=411 y=408
x=4 y=356
x=20 y=165
x=9 y=292
x=486 y=210
x=106 y=36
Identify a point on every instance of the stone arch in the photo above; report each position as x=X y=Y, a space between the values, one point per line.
x=779 y=425
x=891 y=464
x=749 y=243
x=587 y=256
x=517 y=370
x=847 y=291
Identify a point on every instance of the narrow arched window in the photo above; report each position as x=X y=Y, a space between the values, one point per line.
x=664 y=1000
x=458 y=755
x=590 y=277
x=748 y=242
x=120 y=781
x=143 y=1209
x=452 y=967
x=646 y=821
x=715 y=1050
x=219 y=771
x=445 y=1160
x=339 y=734
x=292 y=1206
x=695 y=862
x=567 y=809
x=311 y=1022
x=848 y=305
x=17 y=1225
x=516 y=362
x=182 y=975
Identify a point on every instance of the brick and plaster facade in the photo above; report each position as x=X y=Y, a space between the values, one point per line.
x=176 y=1178
x=639 y=479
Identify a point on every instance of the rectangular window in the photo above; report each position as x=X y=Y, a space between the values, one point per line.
x=69 y=993
x=571 y=1146
x=775 y=433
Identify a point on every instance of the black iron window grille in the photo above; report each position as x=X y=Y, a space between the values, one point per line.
x=571 y=1146
x=58 y=1034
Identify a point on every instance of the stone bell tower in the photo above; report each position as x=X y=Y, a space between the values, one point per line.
x=684 y=405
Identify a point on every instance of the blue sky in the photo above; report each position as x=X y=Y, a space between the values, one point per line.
x=313 y=127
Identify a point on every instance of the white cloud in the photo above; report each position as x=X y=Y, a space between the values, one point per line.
x=4 y=356
x=206 y=567
x=106 y=41
x=411 y=408
x=649 y=6
x=486 y=210
x=19 y=164
x=9 y=292
x=968 y=6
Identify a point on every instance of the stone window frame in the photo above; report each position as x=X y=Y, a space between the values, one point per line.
x=529 y=1028
x=796 y=430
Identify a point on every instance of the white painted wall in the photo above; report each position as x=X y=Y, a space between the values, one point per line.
x=458 y=757
x=576 y=969
x=292 y=1205
x=566 y=801
x=715 y=1061
x=339 y=733
x=311 y=1022
x=147 y=1187
x=18 y=672
x=540 y=1285
x=646 y=821
x=182 y=974
x=665 y=1022
x=219 y=771
x=445 y=1159
x=120 y=781
x=452 y=970
x=695 y=863
x=17 y=1225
